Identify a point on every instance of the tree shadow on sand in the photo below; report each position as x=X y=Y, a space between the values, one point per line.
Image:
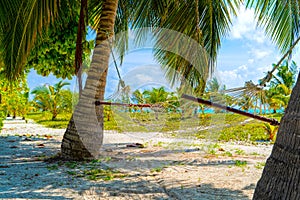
x=23 y=174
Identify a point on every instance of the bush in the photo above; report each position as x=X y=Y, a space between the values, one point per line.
x=244 y=132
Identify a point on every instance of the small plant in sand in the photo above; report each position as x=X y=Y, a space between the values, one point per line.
x=71 y=165
x=254 y=154
x=240 y=152
x=227 y=153
x=240 y=163
x=52 y=167
x=259 y=165
x=159 y=144
x=103 y=174
x=271 y=131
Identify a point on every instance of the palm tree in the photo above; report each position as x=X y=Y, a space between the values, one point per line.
x=84 y=135
x=48 y=97
x=280 y=178
x=156 y=95
x=138 y=97
x=282 y=84
x=208 y=22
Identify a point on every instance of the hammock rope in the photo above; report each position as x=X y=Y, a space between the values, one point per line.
x=231 y=109
x=250 y=88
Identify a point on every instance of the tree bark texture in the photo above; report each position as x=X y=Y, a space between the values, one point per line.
x=84 y=135
x=281 y=175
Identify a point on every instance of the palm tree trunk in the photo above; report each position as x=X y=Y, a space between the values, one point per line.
x=84 y=135
x=281 y=175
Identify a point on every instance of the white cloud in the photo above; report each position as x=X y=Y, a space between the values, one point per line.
x=236 y=77
x=243 y=24
x=244 y=27
x=250 y=61
x=260 y=53
x=243 y=68
x=143 y=78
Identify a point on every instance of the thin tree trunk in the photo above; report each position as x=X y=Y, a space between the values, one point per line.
x=281 y=175
x=79 y=43
x=84 y=135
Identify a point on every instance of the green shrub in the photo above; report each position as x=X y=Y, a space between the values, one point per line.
x=244 y=132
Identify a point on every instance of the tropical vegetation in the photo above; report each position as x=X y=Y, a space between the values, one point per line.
x=14 y=99
x=53 y=98
x=22 y=21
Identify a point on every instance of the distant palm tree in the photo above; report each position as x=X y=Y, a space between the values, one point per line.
x=48 y=97
x=281 y=86
x=213 y=86
x=156 y=95
x=138 y=97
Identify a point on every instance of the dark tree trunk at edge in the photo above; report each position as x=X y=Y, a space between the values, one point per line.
x=281 y=175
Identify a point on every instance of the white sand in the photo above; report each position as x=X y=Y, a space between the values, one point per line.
x=185 y=169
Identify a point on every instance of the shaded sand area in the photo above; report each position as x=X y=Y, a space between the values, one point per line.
x=167 y=168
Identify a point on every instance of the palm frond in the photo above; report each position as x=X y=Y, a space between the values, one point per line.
x=21 y=22
x=215 y=21
x=205 y=23
x=281 y=20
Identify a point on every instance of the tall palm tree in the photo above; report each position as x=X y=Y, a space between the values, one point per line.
x=84 y=135
x=280 y=178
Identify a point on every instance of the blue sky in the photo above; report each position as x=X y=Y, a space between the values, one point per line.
x=246 y=54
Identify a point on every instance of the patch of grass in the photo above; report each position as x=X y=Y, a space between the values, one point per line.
x=71 y=164
x=73 y=173
x=211 y=151
x=102 y=174
x=260 y=165
x=227 y=153
x=1 y=124
x=240 y=152
x=215 y=146
x=44 y=118
x=223 y=126
x=52 y=167
x=157 y=169
x=240 y=163
x=254 y=154
x=252 y=131
x=159 y=144
x=2 y=117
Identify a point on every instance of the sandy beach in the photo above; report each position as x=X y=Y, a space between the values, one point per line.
x=167 y=168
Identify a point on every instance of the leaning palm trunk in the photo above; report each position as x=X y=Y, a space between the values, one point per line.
x=84 y=135
x=281 y=175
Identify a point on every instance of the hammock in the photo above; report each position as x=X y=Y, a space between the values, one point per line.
x=250 y=89
x=273 y=122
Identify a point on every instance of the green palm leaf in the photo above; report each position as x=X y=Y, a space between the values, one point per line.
x=20 y=23
x=204 y=22
x=281 y=20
